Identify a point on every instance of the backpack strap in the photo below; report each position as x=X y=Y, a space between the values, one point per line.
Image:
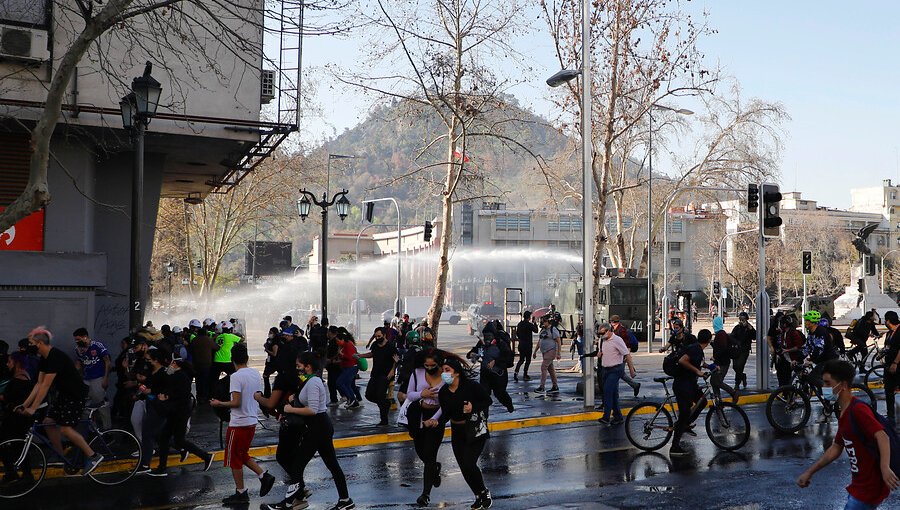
x=872 y=446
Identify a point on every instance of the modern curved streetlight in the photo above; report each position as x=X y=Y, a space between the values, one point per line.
x=342 y=205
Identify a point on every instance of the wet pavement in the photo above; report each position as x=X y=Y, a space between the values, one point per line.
x=582 y=465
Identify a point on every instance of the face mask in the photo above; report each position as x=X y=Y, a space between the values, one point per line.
x=829 y=394
x=447 y=377
x=432 y=371
x=170 y=370
x=31 y=350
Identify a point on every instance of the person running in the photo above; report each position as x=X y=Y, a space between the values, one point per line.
x=744 y=334
x=687 y=392
x=244 y=383
x=721 y=357
x=157 y=410
x=550 y=346
x=463 y=404
x=346 y=382
x=525 y=330
x=312 y=405
x=863 y=437
x=271 y=345
x=93 y=360
x=614 y=354
x=494 y=375
x=56 y=371
x=286 y=385
x=384 y=362
x=421 y=405
x=891 y=362
x=178 y=397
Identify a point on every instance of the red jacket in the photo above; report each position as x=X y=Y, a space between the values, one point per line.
x=347 y=358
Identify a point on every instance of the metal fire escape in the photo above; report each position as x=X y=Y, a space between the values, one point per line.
x=283 y=83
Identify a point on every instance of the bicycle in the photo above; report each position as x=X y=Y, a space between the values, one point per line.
x=789 y=407
x=650 y=426
x=867 y=359
x=25 y=465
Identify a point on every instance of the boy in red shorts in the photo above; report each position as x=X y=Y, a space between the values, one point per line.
x=245 y=382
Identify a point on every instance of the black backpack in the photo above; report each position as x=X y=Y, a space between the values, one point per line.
x=507 y=358
x=670 y=363
x=734 y=347
x=221 y=391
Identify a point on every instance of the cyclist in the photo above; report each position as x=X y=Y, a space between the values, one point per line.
x=687 y=392
x=57 y=371
x=819 y=346
x=787 y=349
x=891 y=362
x=836 y=337
x=859 y=336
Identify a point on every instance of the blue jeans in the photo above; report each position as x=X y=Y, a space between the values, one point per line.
x=346 y=383
x=855 y=504
x=611 y=376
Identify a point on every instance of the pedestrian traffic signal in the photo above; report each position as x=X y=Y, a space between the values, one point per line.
x=428 y=228
x=716 y=288
x=807 y=262
x=752 y=198
x=370 y=211
x=770 y=220
x=861 y=285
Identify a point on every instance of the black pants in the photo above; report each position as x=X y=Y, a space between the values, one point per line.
x=717 y=380
x=267 y=385
x=334 y=371
x=202 y=378
x=467 y=454
x=376 y=392
x=319 y=439
x=427 y=441
x=687 y=393
x=151 y=427
x=217 y=369
x=891 y=383
x=783 y=370
x=739 y=363
x=288 y=449
x=525 y=351
x=173 y=432
x=496 y=383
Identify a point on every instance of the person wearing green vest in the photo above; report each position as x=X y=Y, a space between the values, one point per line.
x=222 y=359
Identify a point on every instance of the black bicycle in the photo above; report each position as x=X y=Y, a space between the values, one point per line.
x=789 y=407
x=649 y=426
x=25 y=465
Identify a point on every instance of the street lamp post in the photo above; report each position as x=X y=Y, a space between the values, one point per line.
x=170 y=268
x=720 y=301
x=587 y=200
x=339 y=200
x=651 y=317
x=138 y=108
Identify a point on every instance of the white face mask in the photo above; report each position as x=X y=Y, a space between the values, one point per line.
x=829 y=394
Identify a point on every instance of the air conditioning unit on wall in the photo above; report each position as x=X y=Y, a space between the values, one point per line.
x=24 y=44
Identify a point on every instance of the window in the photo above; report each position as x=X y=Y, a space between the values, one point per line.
x=674 y=246
x=564 y=224
x=676 y=227
x=675 y=262
x=513 y=223
x=628 y=295
x=24 y=12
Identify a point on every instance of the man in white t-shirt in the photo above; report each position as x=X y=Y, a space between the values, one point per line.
x=245 y=382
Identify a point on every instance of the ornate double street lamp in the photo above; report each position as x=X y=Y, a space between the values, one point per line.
x=138 y=108
x=339 y=200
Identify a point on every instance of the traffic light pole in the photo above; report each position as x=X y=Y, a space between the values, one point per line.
x=399 y=247
x=762 y=315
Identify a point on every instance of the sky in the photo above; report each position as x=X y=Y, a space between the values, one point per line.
x=832 y=65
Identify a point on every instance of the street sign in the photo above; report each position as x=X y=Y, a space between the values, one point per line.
x=807 y=262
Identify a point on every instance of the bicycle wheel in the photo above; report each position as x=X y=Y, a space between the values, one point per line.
x=863 y=393
x=23 y=470
x=121 y=456
x=788 y=409
x=728 y=426
x=875 y=375
x=649 y=426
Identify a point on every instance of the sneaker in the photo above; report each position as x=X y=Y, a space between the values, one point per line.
x=677 y=451
x=690 y=430
x=437 y=475
x=207 y=462
x=344 y=504
x=285 y=504
x=354 y=405
x=294 y=492
x=92 y=463
x=157 y=472
x=184 y=455
x=486 y=500
x=266 y=483
x=554 y=389
x=604 y=421
x=617 y=421
x=142 y=470
x=540 y=390
x=526 y=377
x=423 y=500
x=515 y=379
x=238 y=498
x=637 y=389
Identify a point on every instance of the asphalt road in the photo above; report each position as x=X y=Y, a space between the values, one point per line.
x=568 y=466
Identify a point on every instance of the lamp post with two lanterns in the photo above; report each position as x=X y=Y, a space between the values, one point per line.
x=138 y=108
x=339 y=200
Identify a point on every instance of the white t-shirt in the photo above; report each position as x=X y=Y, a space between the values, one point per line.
x=247 y=381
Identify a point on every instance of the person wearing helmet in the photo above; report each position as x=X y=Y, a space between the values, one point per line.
x=819 y=346
x=222 y=359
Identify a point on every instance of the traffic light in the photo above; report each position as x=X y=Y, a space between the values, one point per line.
x=870 y=265
x=861 y=285
x=770 y=221
x=370 y=211
x=807 y=262
x=428 y=228
x=752 y=198
x=716 y=288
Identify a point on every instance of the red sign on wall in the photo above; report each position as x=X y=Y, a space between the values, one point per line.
x=26 y=235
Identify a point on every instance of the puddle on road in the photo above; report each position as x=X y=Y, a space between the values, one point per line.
x=655 y=488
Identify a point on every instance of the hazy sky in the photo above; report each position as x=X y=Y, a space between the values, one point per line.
x=833 y=65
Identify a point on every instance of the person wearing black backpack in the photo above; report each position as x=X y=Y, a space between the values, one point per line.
x=863 y=434
x=891 y=361
x=687 y=391
x=496 y=359
x=525 y=331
